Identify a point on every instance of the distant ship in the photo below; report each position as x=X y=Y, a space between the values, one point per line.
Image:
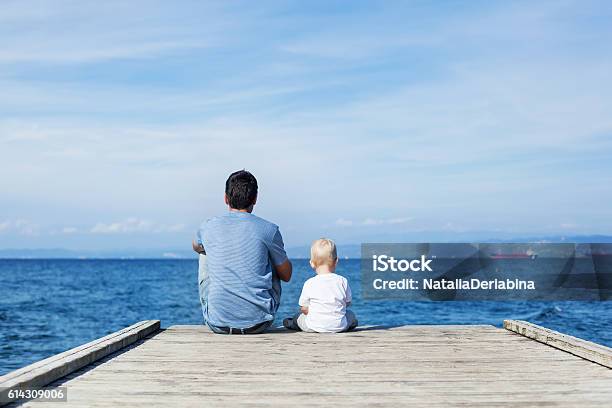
x=525 y=255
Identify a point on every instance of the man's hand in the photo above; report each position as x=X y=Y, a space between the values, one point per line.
x=304 y=309
x=198 y=247
x=284 y=271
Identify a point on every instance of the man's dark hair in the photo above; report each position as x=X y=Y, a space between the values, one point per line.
x=241 y=189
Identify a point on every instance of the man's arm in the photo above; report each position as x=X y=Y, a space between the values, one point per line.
x=198 y=247
x=278 y=256
x=284 y=270
x=304 y=309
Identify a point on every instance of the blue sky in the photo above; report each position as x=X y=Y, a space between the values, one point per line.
x=119 y=121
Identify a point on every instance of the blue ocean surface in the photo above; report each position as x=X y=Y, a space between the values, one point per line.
x=49 y=306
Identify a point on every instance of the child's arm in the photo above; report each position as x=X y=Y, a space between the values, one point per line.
x=349 y=295
x=304 y=300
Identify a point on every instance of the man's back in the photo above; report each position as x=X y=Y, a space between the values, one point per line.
x=241 y=289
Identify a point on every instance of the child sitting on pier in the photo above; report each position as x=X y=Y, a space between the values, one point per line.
x=324 y=297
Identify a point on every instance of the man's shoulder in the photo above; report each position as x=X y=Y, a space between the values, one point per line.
x=256 y=225
x=262 y=221
x=262 y=227
x=229 y=217
x=211 y=221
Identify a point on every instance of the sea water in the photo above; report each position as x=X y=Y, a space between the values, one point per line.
x=49 y=306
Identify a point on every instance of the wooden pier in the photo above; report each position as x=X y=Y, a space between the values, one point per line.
x=428 y=366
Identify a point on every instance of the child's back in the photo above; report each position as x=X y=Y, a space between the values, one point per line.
x=326 y=297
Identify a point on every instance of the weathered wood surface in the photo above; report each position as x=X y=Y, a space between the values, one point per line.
x=427 y=366
x=50 y=369
x=581 y=348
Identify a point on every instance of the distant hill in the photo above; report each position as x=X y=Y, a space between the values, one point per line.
x=354 y=250
x=344 y=251
x=61 y=253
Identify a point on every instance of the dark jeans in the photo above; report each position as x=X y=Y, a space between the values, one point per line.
x=224 y=330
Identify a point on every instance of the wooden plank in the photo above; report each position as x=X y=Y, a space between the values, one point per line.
x=426 y=366
x=50 y=369
x=582 y=348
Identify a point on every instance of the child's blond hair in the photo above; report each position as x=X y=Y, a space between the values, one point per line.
x=323 y=251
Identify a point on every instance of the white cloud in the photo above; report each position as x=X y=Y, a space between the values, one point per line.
x=134 y=225
x=175 y=228
x=386 y=221
x=373 y=222
x=127 y=226
x=343 y=222
x=569 y=225
x=70 y=230
x=19 y=226
x=108 y=52
x=5 y=225
x=101 y=33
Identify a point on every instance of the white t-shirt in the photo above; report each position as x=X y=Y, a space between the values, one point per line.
x=326 y=297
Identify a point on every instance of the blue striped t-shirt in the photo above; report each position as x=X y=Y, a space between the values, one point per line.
x=242 y=288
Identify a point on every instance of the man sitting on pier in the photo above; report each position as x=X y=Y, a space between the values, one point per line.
x=242 y=260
